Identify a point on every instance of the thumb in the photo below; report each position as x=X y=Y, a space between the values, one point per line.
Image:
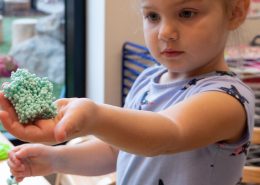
x=59 y=133
x=64 y=129
x=26 y=151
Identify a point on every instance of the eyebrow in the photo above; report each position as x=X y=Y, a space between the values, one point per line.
x=187 y=1
x=179 y=2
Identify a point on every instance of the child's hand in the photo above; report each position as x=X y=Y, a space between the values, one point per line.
x=40 y=131
x=32 y=160
x=74 y=119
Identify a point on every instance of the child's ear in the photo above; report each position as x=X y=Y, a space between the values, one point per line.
x=238 y=13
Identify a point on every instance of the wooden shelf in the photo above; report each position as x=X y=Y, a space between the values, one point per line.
x=256 y=136
x=251 y=174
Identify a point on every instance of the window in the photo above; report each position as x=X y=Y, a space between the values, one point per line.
x=47 y=37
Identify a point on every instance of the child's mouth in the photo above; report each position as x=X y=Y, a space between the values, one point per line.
x=171 y=53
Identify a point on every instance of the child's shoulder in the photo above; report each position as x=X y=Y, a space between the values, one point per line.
x=224 y=81
x=231 y=85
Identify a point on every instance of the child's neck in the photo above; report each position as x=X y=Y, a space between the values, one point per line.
x=219 y=65
x=168 y=77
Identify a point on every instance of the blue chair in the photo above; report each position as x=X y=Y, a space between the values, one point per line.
x=135 y=58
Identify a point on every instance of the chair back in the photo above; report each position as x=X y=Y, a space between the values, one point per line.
x=135 y=58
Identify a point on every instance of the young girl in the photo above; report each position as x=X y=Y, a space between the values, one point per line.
x=186 y=122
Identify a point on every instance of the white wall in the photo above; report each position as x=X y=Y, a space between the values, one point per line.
x=110 y=24
x=249 y=29
x=95 y=49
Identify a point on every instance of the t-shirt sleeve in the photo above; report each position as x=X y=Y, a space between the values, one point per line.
x=242 y=93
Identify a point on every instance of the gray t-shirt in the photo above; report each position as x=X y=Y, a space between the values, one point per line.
x=216 y=164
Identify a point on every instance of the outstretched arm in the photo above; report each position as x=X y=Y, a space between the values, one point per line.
x=92 y=157
x=195 y=122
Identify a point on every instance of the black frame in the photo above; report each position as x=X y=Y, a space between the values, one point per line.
x=75 y=47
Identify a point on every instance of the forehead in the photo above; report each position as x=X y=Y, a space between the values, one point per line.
x=186 y=1
x=171 y=2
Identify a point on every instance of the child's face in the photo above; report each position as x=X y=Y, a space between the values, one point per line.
x=186 y=36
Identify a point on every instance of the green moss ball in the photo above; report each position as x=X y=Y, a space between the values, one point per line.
x=31 y=96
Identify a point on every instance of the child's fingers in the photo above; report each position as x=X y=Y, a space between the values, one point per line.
x=17 y=163
x=63 y=130
x=13 y=126
x=60 y=135
x=66 y=130
x=19 y=179
x=6 y=120
x=19 y=171
x=17 y=174
x=13 y=158
x=5 y=103
x=16 y=170
x=15 y=166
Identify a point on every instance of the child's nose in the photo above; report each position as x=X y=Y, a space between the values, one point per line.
x=168 y=32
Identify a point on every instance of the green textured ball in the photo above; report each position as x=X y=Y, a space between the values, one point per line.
x=31 y=96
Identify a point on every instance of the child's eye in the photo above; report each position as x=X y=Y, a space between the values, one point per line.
x=153 y=17
x=187 y=14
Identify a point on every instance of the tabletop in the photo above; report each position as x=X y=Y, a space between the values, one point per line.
x=5 y=172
